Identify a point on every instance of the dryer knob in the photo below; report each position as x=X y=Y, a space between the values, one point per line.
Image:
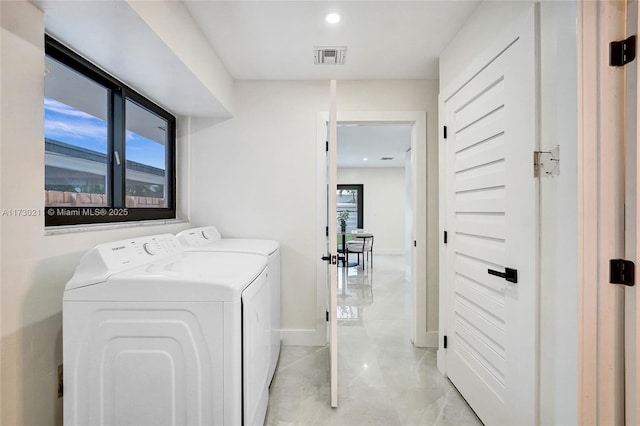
x=150 y=250
x=205 y=234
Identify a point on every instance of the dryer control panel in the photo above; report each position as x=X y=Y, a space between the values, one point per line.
x=198 y=237
x=109 y=258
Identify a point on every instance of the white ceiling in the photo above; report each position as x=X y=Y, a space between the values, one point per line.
x=274 y=40
x=372 y=141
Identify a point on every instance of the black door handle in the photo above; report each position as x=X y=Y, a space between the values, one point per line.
x=509 y=274
x=333 y=259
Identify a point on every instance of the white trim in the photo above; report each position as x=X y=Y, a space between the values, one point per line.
x=322 y=304
x=332 y=179
x=632 y=237
x=600 y=215
x=183 y=167
x=443 y=303
x=74 y=229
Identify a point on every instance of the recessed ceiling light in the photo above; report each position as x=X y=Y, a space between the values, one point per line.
x=333 y=17
x=365 y=159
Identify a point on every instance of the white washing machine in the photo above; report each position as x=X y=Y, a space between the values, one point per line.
x=208 y=238
x=154 y=335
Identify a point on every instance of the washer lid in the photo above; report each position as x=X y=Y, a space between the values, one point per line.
x=192 y=276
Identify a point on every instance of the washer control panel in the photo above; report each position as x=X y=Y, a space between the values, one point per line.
x=117 y=256
x=138 y=251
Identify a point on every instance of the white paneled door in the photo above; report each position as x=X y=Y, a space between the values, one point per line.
x=492 y=225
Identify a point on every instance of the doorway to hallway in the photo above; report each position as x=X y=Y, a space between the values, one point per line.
x=375 y=182
x=421 y=282
x=420 y=285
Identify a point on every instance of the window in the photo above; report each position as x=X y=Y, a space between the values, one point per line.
x=350 y=199
x=109 y=151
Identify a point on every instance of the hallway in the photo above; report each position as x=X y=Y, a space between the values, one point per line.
x=382 y=378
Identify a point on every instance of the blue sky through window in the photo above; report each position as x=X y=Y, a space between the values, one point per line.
x=69 y=125
x=145 y=151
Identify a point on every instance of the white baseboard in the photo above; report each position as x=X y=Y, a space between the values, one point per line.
x=427 y=340
x=303 y=337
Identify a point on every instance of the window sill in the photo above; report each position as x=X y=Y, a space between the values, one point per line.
x=73 y=229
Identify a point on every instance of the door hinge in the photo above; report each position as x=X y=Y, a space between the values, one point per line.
x=327 y=231
x=622 y=272
x=327 y=315
x=536 y=163
x=546 y=163
x=327 y=146
x=415 y=243
x=445 y=132
x=445 y=237
x=622 y=52
x=445 y=342
x=60 y=381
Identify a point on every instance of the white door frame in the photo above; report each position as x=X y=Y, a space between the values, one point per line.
x=632 y=227
x=600 y=214
x=420 y=335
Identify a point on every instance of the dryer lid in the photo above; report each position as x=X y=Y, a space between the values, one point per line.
x=208 y=238
x=245 y=245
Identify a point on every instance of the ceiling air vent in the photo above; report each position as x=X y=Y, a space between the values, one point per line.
x=330 y=55
x=386 y=158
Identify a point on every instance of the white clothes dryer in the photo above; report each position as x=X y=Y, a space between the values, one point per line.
x=208 y=238
x=156 y=335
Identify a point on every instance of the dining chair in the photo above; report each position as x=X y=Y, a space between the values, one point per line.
x=362 y=243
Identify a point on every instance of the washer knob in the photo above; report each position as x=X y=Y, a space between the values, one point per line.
x=150 y=250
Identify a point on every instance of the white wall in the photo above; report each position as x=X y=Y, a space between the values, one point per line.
x=255 y=175
x=35 y=266
x=558 y=198
x=384 y=204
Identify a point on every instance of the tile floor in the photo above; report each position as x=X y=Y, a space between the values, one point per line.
x=382 y=378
